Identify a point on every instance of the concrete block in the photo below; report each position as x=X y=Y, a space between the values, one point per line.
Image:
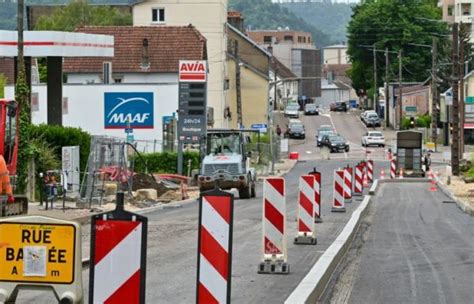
x=147 y=194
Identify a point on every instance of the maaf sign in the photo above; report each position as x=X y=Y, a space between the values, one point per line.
x=128 y=110
x=192 y=71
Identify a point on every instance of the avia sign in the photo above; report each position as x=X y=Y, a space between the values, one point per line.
x=192 y=71
x=128 y=110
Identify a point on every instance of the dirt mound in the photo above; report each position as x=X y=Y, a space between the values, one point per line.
x=145 y=181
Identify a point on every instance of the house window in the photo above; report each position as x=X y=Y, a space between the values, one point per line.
x=118 y=79
x=288 y=38
x=450 y=10
x=158 y=15
x=267 y=39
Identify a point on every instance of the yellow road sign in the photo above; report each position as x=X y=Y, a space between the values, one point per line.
x=37 y=253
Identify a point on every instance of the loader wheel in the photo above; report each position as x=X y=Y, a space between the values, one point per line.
x=245 y=193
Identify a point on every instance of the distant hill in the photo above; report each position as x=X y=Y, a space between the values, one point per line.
x=263 y=15
x=330 y=18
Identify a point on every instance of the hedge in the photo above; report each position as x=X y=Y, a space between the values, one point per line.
x=165 y=162
x=58 y=137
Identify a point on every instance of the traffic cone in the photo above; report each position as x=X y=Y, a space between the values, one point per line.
x=401 y=173
x=433 y=185
x=382 y=174
x=365 y=183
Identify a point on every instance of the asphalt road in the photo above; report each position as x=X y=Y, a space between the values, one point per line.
x=172 y=246
x=347 y=124
x=412 y=248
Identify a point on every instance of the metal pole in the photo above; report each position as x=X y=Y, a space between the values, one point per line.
x=387 y=105
x=434 y=95
x=180 y=157
x=400 y=93
x=375 y=79
x=455 y=143
x=461 y=95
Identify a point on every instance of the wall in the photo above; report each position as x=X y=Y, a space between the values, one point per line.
x=335 y=56
x=254 y=96
x=86 y=107
x=330 y=95
x=209 y=18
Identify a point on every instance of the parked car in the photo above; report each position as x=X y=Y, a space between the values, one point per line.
x=323 y=130
x=372 y=120
x=335 y=143
x=363 y=114
x=373 y=138
x=311 y=109
x=296 y=129
x=338 y=106
x=292 y=110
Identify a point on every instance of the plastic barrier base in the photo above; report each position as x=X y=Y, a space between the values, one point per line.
x=318 y=220
x=305 y=240
x=347 y=200
x=341 y=209
x=273 y=267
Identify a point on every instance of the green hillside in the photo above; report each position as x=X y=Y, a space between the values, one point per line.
x=263 y=15
x=331 y=18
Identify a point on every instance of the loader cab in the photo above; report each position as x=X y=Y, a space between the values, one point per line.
x=9 y=133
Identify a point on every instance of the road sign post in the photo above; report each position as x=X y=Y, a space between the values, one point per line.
x=216 y=212
x=38 y=252
x=118 y=256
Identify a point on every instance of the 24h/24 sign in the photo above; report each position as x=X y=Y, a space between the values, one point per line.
x=37 y=253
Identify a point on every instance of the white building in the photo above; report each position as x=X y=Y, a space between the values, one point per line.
x=209 y=17
x=335 y=54
x=459 y=11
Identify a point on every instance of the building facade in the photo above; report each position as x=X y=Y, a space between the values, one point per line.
x=295 y=50
x=459 y=11
x=210 y=18
x=251 y=63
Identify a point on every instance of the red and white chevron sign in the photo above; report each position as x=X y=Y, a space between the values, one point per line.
x=274 y=211
x=306 y=205
x=338 y=198
x=348 y=183
x=370 y=170
x=118 y=271
x=393 y=169
x=359 y=178
x=215 y=247
x=317 y=194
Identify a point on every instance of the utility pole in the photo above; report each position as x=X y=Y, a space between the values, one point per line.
x=434 y=94
x=387 y=105
x=400 y=97
x=455 y=143
x=461 y=95
x=237 y=85
x=375 y=79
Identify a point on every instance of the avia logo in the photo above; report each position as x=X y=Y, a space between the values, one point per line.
x=193 y=67
x=192 y=71
x=128 y=110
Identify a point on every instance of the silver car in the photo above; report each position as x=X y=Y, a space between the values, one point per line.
x=292 y=110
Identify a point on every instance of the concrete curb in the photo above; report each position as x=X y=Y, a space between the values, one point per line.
x=464 y=206
x=313 y=284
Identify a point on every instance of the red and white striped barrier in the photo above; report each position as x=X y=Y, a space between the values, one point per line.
x=118 y=257
x=317 y=195
x=393 y=169
x=348 y=184
x=274 y=236
x=306 y=232
x=215 y=247
x=370 y=170
x=382 y=174
x=401 y=173
x=358 y=180
x=338 y=197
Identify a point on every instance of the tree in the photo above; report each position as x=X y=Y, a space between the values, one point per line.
x=394 y=25
x=79 y=13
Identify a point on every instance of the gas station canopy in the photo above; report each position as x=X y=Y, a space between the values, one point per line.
x=57 y=44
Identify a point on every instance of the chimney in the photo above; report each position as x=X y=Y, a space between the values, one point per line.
x=145 y=65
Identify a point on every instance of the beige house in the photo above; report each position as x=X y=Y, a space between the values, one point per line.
x=209 y=17
x=254 y=65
